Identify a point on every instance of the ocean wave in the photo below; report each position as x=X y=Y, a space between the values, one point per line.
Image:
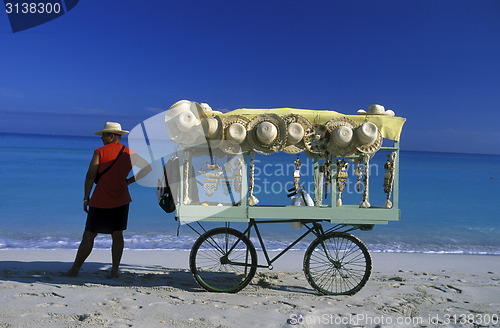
x=185 y=242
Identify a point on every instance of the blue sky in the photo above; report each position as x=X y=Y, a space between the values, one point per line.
x=434 y=62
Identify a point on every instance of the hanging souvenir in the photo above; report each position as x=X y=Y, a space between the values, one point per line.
x=389 y=178
x=296 y=174
x=359 y=173
x=237 y=174
x=185 y=176
x=252 y=200
x=365 y=203
x=342 y=176
x=318 y=183
x=212 y=173
x=228 y=174
x=328 y=174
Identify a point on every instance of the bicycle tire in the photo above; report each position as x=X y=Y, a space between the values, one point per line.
x=223 y=260
x=337 y=264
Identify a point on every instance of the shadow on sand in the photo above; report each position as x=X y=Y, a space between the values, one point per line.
x=96 y=273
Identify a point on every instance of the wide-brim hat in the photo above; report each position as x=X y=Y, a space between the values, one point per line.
x=213 y=129
x=368 y=138
x=317 y=139
x=267 y=134
x=341 y=136
x=182 y=106
x=234 y=130
x=205 y=110
x=376 y=109
x=183 y=122
x=111 y=127
x=296 y=128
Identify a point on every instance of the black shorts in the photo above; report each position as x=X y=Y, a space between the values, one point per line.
x=107 y=220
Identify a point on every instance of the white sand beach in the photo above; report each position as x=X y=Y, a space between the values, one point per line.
x=156 y=289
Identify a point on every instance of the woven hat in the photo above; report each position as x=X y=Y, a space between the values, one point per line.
x=234 y=134
x=296 y=129
x=341 y=136
x=111 y=127
x=205 y=110
x=183 y=122
x=267 y=134
x=376 y=110
x=317 y=139
x=368 y=138
x=213 y=129
x=180 y=107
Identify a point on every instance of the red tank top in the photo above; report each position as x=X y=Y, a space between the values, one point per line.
x=112 y=190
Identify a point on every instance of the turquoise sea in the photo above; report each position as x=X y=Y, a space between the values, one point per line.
x=449 y=202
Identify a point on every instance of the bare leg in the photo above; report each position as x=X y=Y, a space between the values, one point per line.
x=84 y=251
x=116 y=251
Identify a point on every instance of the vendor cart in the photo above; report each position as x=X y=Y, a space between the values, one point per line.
x=336 y=262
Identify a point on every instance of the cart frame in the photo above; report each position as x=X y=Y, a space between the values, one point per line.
x=344 y=214
x=343 y=261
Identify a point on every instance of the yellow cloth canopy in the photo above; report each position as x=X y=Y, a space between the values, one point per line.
x=390 y=127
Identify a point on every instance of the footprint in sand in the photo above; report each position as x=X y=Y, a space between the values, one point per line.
x=446 y=288
x=79 y=317
x=49 y=294
x=51 y=305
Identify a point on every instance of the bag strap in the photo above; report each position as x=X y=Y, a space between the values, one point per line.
x=111 y=165
x=165 y=175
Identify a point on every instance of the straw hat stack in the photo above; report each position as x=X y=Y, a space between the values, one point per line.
x=190 y=123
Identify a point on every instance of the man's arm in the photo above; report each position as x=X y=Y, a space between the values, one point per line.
x=89 y=179
x=145 y=168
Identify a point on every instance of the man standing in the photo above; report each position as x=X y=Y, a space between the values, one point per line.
x=107 y=209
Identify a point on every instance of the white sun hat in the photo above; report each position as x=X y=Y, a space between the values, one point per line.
x=111 y=127
x=368 y=138
x=267 y=134
x=341 y=136
x=212 y=126
x=376 y=109
x=186 y=120
x=183 y=122
x=213 y=129
x=234 y=134
x=206 y=110
x=296 y=129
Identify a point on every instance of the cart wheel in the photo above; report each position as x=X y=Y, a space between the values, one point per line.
x=223 y=260
x=337 y=264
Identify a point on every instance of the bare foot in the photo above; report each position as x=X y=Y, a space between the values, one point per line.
x=73 y=272
x=114 y=273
